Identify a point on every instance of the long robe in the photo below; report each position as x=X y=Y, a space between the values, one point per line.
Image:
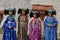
x=50 y=32
x=35 y=29
x=9 y=34
x=22 y=27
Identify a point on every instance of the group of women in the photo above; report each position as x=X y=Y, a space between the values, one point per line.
x=33 y=25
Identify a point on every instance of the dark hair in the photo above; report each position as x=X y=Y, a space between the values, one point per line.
x=31 y=13
x=20 y=11
x=53 y=12
x=6 y=12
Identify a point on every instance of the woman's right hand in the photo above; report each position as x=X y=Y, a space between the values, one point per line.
x=10 y=27
x=28 y=33
x=50 y=25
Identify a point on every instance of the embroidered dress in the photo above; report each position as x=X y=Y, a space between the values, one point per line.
x=22 y=27
x=50 y=32
x=9 y=33
x=35 y=29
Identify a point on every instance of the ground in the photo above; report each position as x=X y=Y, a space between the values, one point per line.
x=1 y=37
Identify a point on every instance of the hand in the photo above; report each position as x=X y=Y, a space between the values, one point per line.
x=10 y=27
x=14 y=29
x=50 y=25
x=28 y=33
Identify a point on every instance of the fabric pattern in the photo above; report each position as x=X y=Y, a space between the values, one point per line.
x=9 y=34
x=50 y=32
x=22 y=27
x=35 y=30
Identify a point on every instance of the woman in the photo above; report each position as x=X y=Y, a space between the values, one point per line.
x=34 y=27
x=50 y=30
x=9 y=26
x=22 y=24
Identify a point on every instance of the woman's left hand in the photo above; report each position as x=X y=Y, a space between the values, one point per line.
x=14 y=29
x=50 y=25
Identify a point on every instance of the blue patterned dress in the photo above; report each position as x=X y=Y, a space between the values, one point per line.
x=50 y=33
x=9 y=34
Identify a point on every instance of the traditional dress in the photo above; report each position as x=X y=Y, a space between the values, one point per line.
x=50 y=33
x=9 y=34
x=35 y=29
x=22 y=27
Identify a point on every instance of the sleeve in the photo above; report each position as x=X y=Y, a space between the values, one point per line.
x=55 y=22
x=14 y=23
x=6 y=23
x=3 y=21
x=18 y=21
x=30 y=27
x=39 y=24
x=46 y=22
x=29 y=23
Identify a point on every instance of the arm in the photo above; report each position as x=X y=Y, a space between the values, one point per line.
x=39 y=24
x=3 y=21
x=18 y=22
x=14 y=23
x=6 y=24
x=46 y=23
x=55 y=22
x=30 y=27
x=29 y=23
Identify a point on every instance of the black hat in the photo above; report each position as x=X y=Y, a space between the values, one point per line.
x=34 y=12
x=6 y=11
x=20 y=11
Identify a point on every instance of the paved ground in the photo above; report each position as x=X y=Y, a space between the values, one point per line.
x=1 y=37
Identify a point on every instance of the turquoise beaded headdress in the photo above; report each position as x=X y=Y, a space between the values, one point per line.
x=6 y=11
x=50 y=10
x=34 y=12
x=10 y=9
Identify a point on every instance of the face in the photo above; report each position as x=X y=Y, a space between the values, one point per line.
x=34 y=15
x=10 y=12
x=23 y=12
x=50 y=14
